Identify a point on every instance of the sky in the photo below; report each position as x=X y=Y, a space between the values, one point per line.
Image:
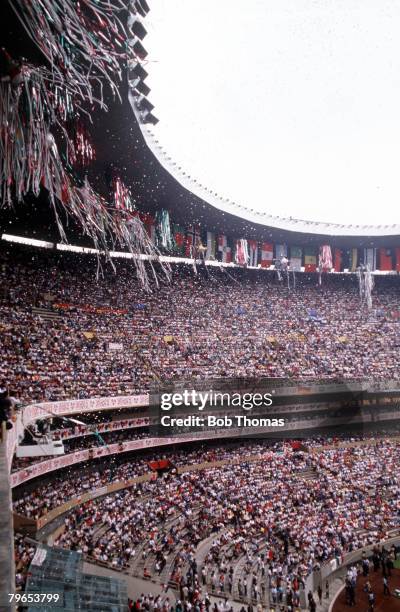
x=290 y=107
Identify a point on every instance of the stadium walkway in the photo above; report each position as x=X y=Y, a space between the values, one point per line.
x=135 y=585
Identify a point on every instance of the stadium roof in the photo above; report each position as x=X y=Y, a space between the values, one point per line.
x=290 y=110
x=123 y=143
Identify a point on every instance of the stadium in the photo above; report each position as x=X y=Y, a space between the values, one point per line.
x=199 y=399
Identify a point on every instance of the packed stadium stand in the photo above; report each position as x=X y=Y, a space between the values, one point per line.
x=269 y=521
x=116 y=280
x=253 y=529
x=59 y=320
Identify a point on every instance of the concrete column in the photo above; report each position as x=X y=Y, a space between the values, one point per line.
x=7 y=567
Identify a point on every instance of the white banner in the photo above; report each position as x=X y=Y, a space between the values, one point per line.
x=39 y=556
x=295 y=264
x=115 y=346
x=46 y=409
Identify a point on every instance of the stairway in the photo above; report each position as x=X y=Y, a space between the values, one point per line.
x=308 y=474
x=334 y=587
x=46 y=314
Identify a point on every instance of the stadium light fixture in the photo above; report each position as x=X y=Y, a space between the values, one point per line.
x=141 y=7
x=138 y=48
x=136 y=28
x=142 y=88
x=137 y=74
x=149 y=118
x=143 y=104
x=136 y=69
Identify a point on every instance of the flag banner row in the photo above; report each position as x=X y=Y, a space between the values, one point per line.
x=195 y=242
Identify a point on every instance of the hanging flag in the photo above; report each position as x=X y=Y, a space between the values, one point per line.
x=338 y=260
x=161 y=464
x=192 y=241
x=267 y=254
x=222 y=242
x=325 y=258
x=353 y=259
x=179 y=238
x=385 y=260
x=163 y=230
x=226 y=255
x=150 y=225
x=281 y=251
x=310 y=260
x=298 y=446
x=242 y=252
x=253 y=253
x=296 y=254
x=122 y=195
x=211 y=244
x=370 y=258
x=224 y=251
x=397 y=259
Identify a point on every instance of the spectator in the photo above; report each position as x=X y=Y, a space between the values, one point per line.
x=272 y=334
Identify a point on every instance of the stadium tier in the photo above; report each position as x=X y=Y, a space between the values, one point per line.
x=259 y=523
x=69 y=335
x=199 y=401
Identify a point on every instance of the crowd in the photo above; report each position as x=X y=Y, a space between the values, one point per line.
x=266 y=526
x=109 y=337
x=280 y=524
x=241 y=529
x=23 y=555
x=101 y=422
x=77 y=480
x=36 y=500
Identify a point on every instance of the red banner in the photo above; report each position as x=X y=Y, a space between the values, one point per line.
x=162 y=464
x=267 y=254
x=397 y=259
x=311 y=267
x=90 y=308
x=337 y=263
x=227 y=255
x=385 y=260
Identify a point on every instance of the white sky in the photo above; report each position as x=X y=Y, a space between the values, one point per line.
x=286 y=106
